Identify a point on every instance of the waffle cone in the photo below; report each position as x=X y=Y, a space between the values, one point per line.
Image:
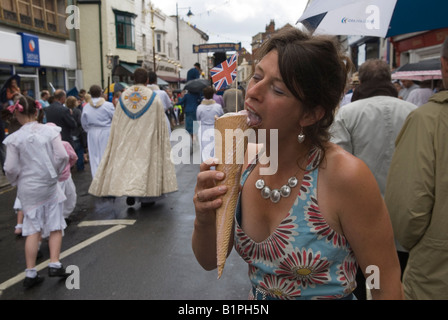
x=230 y=153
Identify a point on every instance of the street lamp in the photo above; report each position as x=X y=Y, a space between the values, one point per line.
x=189 y=14
x=153 y=27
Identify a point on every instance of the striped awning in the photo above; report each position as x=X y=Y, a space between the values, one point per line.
x=417 y=75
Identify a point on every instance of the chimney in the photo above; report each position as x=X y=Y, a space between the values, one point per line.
x=271 y=27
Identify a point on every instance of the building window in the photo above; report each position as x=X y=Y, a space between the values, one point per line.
x=45 y=16
x=124 y=22
x=71 y=79
x=159 y=43
x=50 y=78
x=170 y=50
x=144 y=43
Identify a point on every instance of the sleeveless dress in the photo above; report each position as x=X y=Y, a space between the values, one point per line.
x=304 y=258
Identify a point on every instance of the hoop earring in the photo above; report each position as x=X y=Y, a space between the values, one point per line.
x=301 y=137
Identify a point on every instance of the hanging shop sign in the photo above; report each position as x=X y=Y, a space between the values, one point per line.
x=30 y=48
x=216 y=47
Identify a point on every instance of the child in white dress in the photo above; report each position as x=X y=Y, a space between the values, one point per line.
x=66 y=182
x=206 y=113
x=35 y=160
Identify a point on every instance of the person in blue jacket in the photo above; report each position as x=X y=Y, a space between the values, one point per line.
x=190 y=103
x=194 y=73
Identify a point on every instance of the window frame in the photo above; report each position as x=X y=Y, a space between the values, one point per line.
x=129 y=22
x=39 y=23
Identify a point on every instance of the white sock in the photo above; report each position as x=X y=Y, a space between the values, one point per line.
x=56 y=265
x=31 y=273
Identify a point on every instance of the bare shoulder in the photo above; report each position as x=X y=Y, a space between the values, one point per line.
x=348 y=178
x=349 y=193
x=343 y=168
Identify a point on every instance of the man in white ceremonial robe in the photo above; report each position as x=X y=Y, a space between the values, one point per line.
x=137 y=161
x=96 y=120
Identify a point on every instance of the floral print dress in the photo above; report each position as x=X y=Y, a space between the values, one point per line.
x=304 y=258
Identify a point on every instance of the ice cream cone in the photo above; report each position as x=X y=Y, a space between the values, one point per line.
x=230 y=153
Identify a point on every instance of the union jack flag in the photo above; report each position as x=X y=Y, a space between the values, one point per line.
x=224 y=74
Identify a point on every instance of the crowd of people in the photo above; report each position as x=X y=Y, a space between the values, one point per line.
x=50 y=136
x=58 y=133
x=369 y=166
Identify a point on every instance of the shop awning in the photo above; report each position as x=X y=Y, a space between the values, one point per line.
x=172 y=79
x=126 y=69
x=161 y=82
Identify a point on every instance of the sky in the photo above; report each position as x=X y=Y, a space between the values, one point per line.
x=235 y=20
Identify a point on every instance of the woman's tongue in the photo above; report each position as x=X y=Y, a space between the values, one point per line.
x=253 y=119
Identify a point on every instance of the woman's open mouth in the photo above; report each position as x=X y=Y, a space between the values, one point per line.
x=254 y=120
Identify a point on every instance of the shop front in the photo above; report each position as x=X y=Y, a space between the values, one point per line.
x=41 y=63
x=419 y=46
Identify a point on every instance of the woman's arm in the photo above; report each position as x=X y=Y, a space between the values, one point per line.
x=366 y=224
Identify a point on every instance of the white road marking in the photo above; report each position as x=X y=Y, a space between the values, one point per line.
x=118 y=225
x=6 y=190
x=107 y=223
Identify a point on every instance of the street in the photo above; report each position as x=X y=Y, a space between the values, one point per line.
x=121 y=252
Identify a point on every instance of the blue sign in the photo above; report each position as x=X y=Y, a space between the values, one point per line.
x=30 y=48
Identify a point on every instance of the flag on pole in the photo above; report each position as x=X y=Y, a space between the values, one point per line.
x=224 y=74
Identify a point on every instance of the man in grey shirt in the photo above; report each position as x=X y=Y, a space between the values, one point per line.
x=368 y=127
x=408 y=86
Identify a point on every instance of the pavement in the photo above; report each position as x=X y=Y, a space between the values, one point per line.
x=3 y=181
